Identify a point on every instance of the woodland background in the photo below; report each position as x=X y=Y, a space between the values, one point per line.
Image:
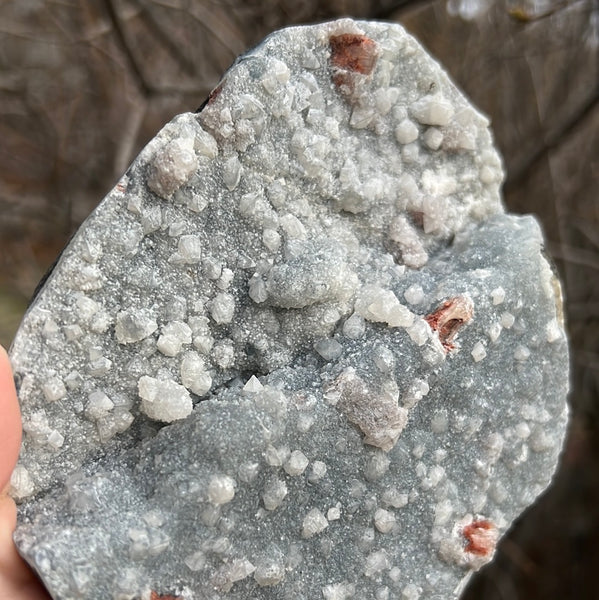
x=84 y=84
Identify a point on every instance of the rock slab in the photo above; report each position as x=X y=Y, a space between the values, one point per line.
x=299 y=351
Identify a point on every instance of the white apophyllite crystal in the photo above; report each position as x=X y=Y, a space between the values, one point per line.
x=54 y=389
x=376 y=562
x=232 y=172
x=328 y=349
x=433 y=138
x=223 y=308
x=98 y=405
x=173 y=336
x=189 y=250
x=507 y=320
x=134 y=325
x=221 y=489
x=339 y=591
x=194 y=374
x=253 y=386
x=406 y=132
x=296 y=464
x=354 y=327
x=314 y=523
x=478 y=351
x=21 y=484
x=172 y=166
x=380 y=305
x=498 y=295
x=433 y=109
x=274 y=494
x=317 y=471
x=164 y=400
x=553 y=331
x=384 y=520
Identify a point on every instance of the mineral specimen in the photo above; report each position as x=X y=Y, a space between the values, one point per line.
x=299 y=351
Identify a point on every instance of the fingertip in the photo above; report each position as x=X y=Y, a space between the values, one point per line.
x=8 y=514
x=10 y=421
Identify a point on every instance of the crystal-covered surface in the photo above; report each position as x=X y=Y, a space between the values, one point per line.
x=298 y=351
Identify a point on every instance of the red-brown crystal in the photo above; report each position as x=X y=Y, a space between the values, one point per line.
x=157 y=596
x=214 y=94
x=449 y=318
x=353 y=52
x=480 y=536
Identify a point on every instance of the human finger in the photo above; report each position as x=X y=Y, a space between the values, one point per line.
x=10 y=421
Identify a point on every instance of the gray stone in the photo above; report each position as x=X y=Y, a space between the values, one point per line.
x=308 y=356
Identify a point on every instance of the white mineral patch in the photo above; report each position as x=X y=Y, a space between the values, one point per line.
x=377 y=466
x=376 y=562
x=172 y=338
x=164 y=400
x=411 y=592
x=553 y=331
x=205 y=144
x=172 y=166
x=382 y=306
x=419 y=332
x=314 y=523
x=478 y=351
x=194 y=375
x=409 y=242
x=354 y=327
x=338 y=591
x=507 y=320
x=55 y=439
x=134 y=325
x=328 y=349
x=269 y=574
x=296 y=464
x=54 y=389
x=98 y=405
x=232 y=172
x=521 y=352
x=494 y=331
x=294 y=346
x=378 y=415
x=433 y=138
x=415 y=392
x=189 y=250
x=237 y=570
x=406 y=132
x=253 y=386
x=384 y=520
x=21 y=484
x=433 y=109
x=498 y=295
x=334 y=513
x=274 y=494
x=223 y=308
x=394 y=498
x=221 y=489
x=317 y=471
x=414 y=294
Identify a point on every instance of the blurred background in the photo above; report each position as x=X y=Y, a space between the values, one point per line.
x=85 y=84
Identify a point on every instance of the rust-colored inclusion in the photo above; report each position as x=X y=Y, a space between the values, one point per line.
x=448 y=319
x=214 y=94
x=353 y=52
x=480 y=536
x=157 y=596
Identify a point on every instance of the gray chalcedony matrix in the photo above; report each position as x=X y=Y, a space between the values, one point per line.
x=299 y=351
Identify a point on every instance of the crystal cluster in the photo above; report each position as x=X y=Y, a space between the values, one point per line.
x=299 y=351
